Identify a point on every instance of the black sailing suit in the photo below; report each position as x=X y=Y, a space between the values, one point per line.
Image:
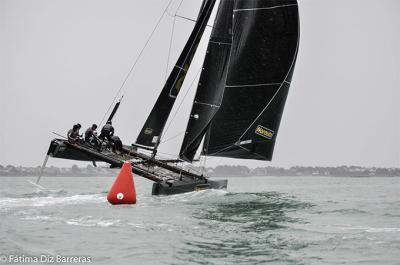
x=89 y=134
x=107 y=132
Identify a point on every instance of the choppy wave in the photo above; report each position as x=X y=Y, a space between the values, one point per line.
x=344 y=211
x=194 y=196
x=40 y=201
x=35 y=194
x=295 y=225
x=259 y=216
x=383 y=230
x=248 y=208
x=89 y=221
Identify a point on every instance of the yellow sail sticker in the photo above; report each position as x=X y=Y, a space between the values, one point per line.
x=148 y=131
x=264 y=132
x=179 y=82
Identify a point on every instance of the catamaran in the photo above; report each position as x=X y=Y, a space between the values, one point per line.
x=238 y=105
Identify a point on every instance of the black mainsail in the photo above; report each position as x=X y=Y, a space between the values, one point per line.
x=155 y=123
x=261 y=64
x=212 y=81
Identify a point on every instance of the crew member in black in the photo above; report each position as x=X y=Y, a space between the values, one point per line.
x=116 y=143
x=73 y=134
x=91 y=135
x=107 y=131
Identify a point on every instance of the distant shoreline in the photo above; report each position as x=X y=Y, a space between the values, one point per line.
x=219 y=171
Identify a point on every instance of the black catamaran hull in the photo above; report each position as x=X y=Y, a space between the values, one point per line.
x=168 y=179
x=164 y=188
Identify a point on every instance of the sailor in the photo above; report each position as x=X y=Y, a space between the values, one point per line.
x=91 y=135
x=107 y=131
x=73 y=134
x=116 y=143
x=79 y=127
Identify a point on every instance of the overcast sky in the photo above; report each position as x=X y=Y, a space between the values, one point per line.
x=62 y=61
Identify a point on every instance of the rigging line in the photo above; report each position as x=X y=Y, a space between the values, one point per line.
x=205 y=166
x=220 y=151
x=187 y=18
x=173 y=137
x=170 y=48
x=190 y=19
x=189 y=167
x=209 y=11
x=247 y=150
x=136 y=61
x=208 y=158
x=178 y=7
x=180 y=105
x=167 y=154
x=202 y=165
x=172 y=37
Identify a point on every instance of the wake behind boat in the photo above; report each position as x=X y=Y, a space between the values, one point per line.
x=238 y=105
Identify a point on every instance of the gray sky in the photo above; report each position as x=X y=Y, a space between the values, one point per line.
x=62 y=61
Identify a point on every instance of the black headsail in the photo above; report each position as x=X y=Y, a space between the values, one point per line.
x=261 y=64
x=154 y=125
x=212 y=81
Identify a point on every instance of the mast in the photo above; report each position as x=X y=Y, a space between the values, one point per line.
x=155 y=123
x=262 y=59
x=114 y=111
x=212 y=81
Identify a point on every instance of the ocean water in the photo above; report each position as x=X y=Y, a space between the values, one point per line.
x=258 y=220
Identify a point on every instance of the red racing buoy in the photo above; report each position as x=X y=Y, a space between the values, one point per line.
x=123 y=190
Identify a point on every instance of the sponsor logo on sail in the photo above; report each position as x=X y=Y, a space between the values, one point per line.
x=148 y=131
x=178 y=84
x=264 y=132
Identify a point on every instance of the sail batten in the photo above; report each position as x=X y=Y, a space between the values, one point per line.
x=262 y=59
x=155 y=123
x=263 y=8
x=209 y=92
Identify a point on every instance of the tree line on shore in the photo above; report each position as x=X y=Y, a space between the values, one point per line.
x=224 y=171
